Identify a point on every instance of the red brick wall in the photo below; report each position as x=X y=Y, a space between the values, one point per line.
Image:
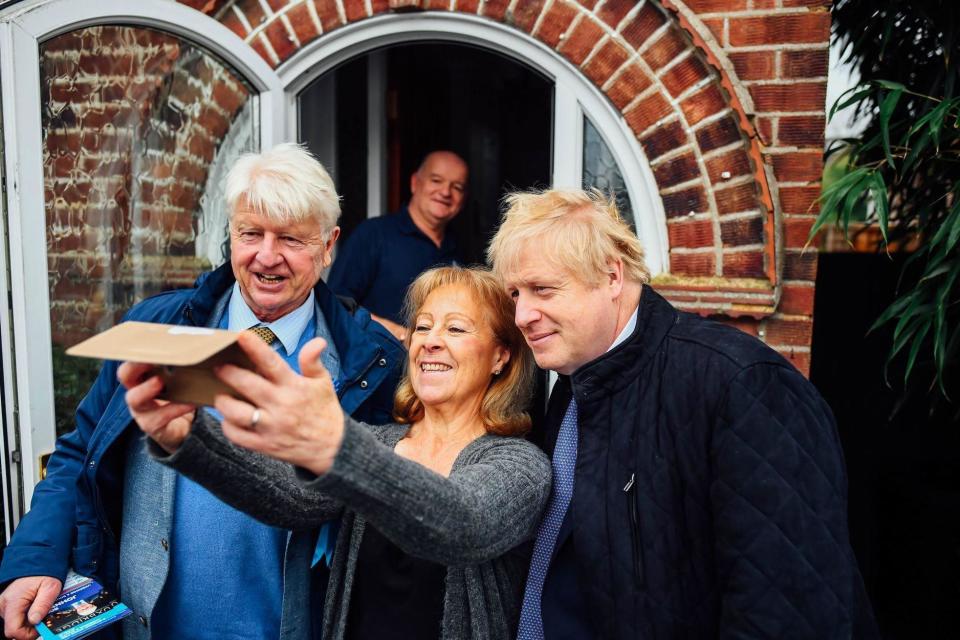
x=726 y=97
x=131 y=122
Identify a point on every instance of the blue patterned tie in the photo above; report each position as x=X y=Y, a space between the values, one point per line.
x=564 y=462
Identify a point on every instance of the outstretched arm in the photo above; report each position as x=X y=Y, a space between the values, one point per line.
x=480 y=511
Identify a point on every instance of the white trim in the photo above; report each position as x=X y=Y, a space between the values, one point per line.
x=376 y=134
x=11 y=483
x=22 y=28
x=324 y=53
x=567 y=138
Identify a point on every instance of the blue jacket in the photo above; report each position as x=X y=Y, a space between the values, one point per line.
x=75 y=515
x=710 y=495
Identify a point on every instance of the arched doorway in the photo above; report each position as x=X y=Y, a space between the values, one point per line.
x=399 y=103
x=589 y=141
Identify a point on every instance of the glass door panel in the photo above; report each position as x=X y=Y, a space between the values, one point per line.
x=601 y=171
x=139 y=128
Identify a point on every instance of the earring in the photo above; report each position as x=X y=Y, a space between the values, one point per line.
x=497 y=372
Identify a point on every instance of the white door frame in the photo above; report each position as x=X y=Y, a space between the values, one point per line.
x=25 y=330
x=574 y=96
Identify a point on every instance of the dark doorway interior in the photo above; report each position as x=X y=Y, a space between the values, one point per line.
x=904 y=470
x=493 y=111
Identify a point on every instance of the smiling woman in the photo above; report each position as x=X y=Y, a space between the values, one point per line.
x=433 y=508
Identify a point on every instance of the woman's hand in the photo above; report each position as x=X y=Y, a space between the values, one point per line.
x=166 y=423
x=294 y=418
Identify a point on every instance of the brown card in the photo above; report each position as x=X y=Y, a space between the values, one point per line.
x=184 y=356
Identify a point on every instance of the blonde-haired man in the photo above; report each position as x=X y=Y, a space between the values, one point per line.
x=699 y=485
x=188 y=565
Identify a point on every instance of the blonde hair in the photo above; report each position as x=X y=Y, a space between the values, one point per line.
x=578 y=231
x=284 y=183
x=505 y=400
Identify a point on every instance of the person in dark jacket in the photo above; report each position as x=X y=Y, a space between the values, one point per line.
x=384 y=255
x=699 y=484
x=183 y=561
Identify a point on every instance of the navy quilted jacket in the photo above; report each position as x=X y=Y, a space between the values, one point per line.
x=710 y=494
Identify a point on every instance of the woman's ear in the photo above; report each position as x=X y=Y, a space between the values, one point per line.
x=501 y=360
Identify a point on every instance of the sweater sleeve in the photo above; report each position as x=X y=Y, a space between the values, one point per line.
x=256 y=484
x=491 y=502
x=778 y=497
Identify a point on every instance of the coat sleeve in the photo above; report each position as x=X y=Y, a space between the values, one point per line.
x=482 y=510
x=258 y=485
x=42 y=543
x=779 y=502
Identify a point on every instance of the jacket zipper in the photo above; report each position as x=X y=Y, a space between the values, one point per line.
x=630 y=489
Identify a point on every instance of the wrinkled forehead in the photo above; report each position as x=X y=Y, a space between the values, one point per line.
x=277 y=222
x=529 y=263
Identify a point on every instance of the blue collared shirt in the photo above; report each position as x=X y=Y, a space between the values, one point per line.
x=288 y=329
x=380 y=259
x=226 y=569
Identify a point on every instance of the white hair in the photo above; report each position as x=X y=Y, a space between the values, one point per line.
x=284 y=183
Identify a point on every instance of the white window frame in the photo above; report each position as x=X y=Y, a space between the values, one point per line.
x=574 y=97
x=25 y=336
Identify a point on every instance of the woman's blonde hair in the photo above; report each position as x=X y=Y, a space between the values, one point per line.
x=503 y=409
x=579 y=231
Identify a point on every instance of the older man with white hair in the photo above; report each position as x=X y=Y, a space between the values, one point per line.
x=188 y=565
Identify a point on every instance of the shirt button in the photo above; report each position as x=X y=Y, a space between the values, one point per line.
x=164 y=544
x=93 y=463
x=383 y=362
x=363 y=384
x=142 y=620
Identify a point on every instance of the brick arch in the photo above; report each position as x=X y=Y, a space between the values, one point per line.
x=661 y=79
x=737 y=166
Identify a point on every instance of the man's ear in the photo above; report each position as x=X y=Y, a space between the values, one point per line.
x=614 y=278
x=328 y=246
x=414 y=182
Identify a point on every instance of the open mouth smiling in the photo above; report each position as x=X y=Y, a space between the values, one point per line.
x=268 y=278
x=434 y=366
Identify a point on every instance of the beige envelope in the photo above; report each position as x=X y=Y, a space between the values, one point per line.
x=184 y=356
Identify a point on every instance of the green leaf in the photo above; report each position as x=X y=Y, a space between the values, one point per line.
x=894 y=309
x=915 y=153
x=891 y=85
x=915 y=347
x=835 y=201
x=840 y=104
x=887 y=108
x=953 y=221
x=878 y=189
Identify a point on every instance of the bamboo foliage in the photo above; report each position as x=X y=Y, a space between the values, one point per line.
x=903 y=172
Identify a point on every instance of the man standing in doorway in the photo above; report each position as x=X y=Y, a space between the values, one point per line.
x=384 y=255
x=699 y=485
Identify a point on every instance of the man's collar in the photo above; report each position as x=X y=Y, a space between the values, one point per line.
x=288 y=328
x=627 y=330
x=409 y=227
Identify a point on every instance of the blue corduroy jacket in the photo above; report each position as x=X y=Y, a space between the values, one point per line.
x=75 y=515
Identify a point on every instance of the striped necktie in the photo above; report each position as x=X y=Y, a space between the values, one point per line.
x=264 y=333
x=564 y=462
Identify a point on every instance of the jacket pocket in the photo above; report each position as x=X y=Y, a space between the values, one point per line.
x=85 y=559
x=630 y=490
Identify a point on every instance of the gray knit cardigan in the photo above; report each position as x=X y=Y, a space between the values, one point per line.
x=471 y=521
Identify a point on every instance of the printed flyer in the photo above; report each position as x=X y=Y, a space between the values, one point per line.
x=82 y=608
